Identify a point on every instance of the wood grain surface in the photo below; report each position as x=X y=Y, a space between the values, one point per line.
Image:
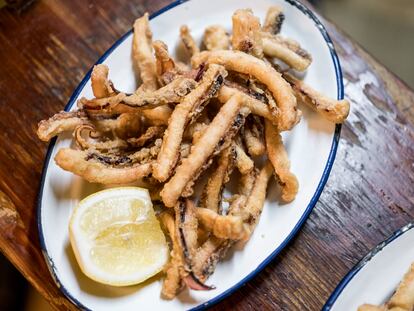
x=46 y=51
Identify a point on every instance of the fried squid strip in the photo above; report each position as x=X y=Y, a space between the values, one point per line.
x=142 y=53
x=61 y=122
x=243 y=162
x=255 y=202
x=287 y=50
x=333 y=110
x=188 y=41
x=101 y=86
x=150 y=134
x=256 y=106
x=367 y=307
x=202 y=150
x=253 y=136
x=404 y=295
x=172 y=283
x=158 y=116
x=171 y=93
x=216 y=38
x=278 y=157
x=164 y=62
x=208 y=255
x=186 y=228
x=79 y=163
x=224 y=227
x=250 y=65
x=212 y=193
x=246 y=35
x=124 y=126
x=189 y=108
x=274 y=20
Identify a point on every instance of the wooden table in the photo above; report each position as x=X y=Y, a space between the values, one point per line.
x=45 y=52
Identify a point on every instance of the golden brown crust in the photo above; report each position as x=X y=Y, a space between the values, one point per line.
x=201 y=151
x=142 y=53
x=188 y=41
x=274 y=20
x=189 y=108
x=404 y=295
x=77 y=162
x=172 y=283
x=278 y=157
x=224 y=227
x=101 y=86
x=333 y=110
x=253 y=136
x=216 y=38
x=250 y=65
x=246 y=33
x=59 y=123
x=212 y=193
x=287 y=50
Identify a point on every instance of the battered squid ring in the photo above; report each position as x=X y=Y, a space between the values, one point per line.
x=77 y=162
x=250 y=65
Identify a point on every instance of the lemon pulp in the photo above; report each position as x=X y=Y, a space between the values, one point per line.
x=117 y=238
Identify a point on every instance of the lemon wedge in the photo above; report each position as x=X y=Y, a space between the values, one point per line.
x=116 y=237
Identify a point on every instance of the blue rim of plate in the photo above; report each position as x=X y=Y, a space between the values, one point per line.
x=340 y=95
x=354 y=271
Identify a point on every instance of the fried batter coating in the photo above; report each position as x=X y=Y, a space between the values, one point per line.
x=212 y=193
x=101 y=86
x=164 y=61
x=85 y=165
x=224 y=227
x=250 y=65
x=246 y=35
x=243 y=162
x=188 y=109
x=202 y=151
x=172 y=283
x=404 y=295
x=61 y=122
x=278 y=157
x=367 y=307
x=333 y=110
x=170 y=93
x=150 y=134
x=208 y=255
x=124 y=126
x=186 y=228
x=256 y=106
x=274 y=20
x=188 y=41
x=253 y=136
x=287 y=50
x=90 y=143
x=255 y=202
x=142 y=53
x=157 y=116
x=216 y=38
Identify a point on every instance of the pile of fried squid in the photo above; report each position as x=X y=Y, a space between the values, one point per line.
x=220 y=112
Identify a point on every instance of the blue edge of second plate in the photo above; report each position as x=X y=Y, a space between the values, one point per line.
x=261 y=266
x=354 y=271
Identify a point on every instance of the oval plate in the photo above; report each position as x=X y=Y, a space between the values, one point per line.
x=311 y=147
x=375 y=278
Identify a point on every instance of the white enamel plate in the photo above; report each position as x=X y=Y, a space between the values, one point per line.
x=376 y=277
x=311 y=147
